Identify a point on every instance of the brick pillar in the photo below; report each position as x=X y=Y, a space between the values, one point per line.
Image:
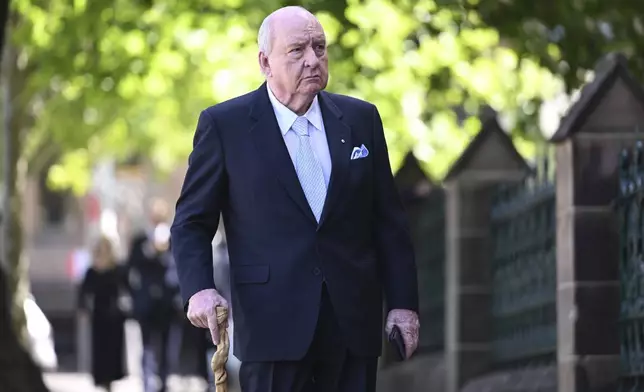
x=588 y=145
x=490 y=159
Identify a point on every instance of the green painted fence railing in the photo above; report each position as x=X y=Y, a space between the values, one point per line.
x=524 y=272
x=631 y=267
x=430 y=243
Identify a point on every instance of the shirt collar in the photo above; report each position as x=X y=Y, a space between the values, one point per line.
x=286 y=117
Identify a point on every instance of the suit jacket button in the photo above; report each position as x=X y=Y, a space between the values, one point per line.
x=316 y=271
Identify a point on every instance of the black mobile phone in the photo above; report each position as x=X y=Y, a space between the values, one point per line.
x=396 y=340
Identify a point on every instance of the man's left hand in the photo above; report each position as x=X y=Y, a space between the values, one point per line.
x=407 y=322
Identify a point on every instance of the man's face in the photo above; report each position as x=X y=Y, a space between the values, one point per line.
x=298 y=62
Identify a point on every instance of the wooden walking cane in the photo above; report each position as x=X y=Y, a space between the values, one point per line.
x=219 y=359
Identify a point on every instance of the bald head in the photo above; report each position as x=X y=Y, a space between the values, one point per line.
x=276 y=19
x=292 y=56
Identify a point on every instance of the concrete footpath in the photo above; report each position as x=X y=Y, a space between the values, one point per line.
x=80 y=382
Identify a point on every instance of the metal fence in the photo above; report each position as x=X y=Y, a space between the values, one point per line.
x=631 y=268
x=430 y=244
x=523 y=222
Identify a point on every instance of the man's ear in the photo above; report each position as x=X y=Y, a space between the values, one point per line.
x=264 y=64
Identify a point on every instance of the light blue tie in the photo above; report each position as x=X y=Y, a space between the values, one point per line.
x=308 y=169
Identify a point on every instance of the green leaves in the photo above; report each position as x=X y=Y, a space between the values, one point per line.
x=118 y=77
x=424 y=65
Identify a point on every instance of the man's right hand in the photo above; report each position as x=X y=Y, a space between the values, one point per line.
x=202 y=311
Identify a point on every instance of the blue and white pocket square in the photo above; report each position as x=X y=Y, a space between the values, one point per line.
x=359 y=152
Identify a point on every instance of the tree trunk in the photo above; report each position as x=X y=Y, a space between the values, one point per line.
x=14 y=182
x=18 y=371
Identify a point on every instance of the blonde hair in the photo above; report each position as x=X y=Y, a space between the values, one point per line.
x=103 y=253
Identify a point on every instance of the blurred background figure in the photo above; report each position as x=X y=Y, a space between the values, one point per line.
x=103 y=294
x=221 y=268
x=155 y=291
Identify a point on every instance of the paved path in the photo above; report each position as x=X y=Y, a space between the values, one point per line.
x=80 y=382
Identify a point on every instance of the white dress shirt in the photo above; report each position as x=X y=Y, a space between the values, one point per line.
x=286 y=118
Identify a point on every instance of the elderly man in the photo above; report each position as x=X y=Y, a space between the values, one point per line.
x=316 y=230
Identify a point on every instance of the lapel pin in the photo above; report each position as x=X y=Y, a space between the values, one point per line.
x=342 y=140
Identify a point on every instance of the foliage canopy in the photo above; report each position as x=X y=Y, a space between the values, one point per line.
x=123 y=77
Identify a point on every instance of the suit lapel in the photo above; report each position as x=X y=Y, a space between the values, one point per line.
x=270 y=146
x=338 y=135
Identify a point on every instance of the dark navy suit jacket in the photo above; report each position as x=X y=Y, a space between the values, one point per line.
x=279 y=255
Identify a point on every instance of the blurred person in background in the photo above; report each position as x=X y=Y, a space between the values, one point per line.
x=315 y=228
x=104 y=294
x=155 y=294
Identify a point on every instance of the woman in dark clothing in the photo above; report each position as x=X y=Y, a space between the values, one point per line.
x=103 y=295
